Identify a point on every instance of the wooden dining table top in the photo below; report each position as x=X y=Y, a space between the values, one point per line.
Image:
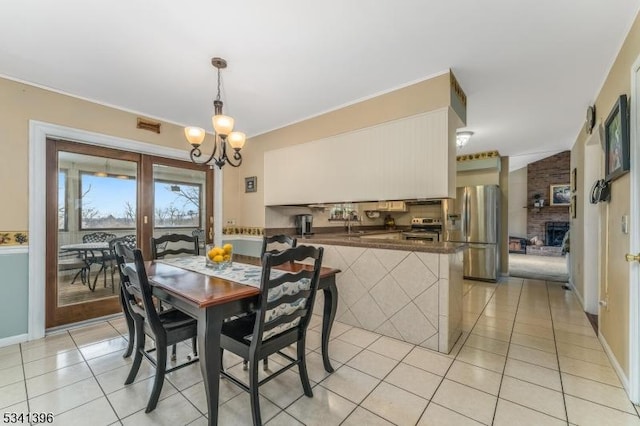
x=205 y=290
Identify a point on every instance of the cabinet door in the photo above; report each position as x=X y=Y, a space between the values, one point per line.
x=397 y=206
x=383 y=205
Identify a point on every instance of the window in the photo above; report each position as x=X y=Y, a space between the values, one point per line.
x=107 y=201
x=177 y=204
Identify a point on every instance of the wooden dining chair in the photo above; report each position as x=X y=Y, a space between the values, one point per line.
x=281 y=319
x=173 y=245
x=166 y=328
x=274 y=244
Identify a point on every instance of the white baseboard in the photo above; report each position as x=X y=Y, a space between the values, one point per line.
x=12 y=340
x=577 y=293
x=614 y=362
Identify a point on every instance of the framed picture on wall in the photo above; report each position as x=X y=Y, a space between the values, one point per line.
x=560 y=195
x=574 y=180
x=250 y=184
x=616 y=137
x=572 y=207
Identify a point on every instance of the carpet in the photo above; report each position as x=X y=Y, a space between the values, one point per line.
x=538 y=267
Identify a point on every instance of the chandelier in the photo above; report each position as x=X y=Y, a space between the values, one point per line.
x=224 y=134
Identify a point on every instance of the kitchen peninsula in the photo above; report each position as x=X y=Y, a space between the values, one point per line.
x=408 y=290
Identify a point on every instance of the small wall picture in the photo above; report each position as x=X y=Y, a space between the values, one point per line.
x=250 y=184
x=572 y=207
x=616 y=136
x=574 y=180
x=560 y=195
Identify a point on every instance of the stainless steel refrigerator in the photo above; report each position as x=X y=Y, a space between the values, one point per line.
x=474 y=218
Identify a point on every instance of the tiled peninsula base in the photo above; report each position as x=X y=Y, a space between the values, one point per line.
x=411 y=296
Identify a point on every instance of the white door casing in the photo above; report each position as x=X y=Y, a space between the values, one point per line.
x=634 y=238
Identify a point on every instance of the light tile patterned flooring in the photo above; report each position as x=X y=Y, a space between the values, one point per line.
x=528 y=357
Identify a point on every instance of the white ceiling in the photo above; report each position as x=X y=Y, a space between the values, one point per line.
x=529 y=67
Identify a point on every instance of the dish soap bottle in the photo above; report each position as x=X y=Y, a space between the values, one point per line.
x=389 y=222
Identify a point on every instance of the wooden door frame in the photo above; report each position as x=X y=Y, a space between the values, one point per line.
x=58 y=315
x=146 y=202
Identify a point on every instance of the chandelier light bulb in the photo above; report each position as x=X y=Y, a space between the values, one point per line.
x=194 y=135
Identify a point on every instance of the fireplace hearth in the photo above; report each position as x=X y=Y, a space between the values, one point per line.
x=554 y=233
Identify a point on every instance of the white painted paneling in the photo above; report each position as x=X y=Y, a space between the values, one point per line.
x=401 y=159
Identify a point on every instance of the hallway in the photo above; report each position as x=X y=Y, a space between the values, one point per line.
x=528 y=357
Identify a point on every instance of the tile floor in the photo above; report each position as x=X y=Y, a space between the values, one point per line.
x=528 y=357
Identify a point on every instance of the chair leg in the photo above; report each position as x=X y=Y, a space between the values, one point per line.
x=161 y=367
x=132 y=335
x=221 y=363
x=137 y=360
x=265 y=364
x=302 y=367
x=245 y=364
x=173 y=353
x=194 y=346
x=253 y=391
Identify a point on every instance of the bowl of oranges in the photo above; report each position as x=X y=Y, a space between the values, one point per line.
x=219 y=257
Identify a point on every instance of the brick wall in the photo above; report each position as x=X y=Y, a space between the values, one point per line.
x=540 y=176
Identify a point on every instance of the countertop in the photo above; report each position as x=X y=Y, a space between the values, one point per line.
x=354 y=240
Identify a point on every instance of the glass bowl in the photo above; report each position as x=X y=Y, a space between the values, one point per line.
x=218 y=257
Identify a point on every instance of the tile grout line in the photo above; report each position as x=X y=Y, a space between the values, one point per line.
x=506 y=357
x=555 y=343
x=455 y=358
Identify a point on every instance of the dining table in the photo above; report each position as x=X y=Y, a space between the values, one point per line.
x=210 y=299
x=91 y=253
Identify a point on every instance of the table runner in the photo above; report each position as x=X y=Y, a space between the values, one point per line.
x=241 y=273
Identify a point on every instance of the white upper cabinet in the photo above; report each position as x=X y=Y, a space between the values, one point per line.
x=410 y=158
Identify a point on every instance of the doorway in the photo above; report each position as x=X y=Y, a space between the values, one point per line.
x=96 y=195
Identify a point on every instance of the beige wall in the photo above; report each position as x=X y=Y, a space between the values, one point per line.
x=517 y=203
x=614 y=319
x=20 y=103
x=248 y=209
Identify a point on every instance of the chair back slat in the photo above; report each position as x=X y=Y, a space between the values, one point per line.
x=281 y=242
x=159 y=245
x=98 y=237
x=286 y=301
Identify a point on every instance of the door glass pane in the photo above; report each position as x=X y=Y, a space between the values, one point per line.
x=96 y=203
x=179 y=201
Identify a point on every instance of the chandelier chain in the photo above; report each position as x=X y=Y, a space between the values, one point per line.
x=218 y=95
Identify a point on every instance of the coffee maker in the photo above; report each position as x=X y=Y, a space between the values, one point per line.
x=304 y=224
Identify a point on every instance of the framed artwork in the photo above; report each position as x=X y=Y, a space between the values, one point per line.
x=250 y=184
x=574 y=180
x=560 y=195
x=616 y=136
x=572 y=207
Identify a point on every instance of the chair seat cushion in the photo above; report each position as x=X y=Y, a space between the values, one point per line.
x=173 y=318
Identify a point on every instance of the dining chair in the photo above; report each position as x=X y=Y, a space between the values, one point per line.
x=73 y=261
x=104 y=258
x=166 y=328
x=281 y=318
x=201 y=239
x=129 y=241
x=173 y=244
x=274 y=244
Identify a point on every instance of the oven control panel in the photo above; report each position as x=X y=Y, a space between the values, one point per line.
x=426 y=221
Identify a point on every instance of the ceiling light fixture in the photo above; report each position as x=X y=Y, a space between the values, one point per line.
x=462 y=138
x=223 y=127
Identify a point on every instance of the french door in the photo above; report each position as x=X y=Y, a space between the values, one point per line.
x=96 y=194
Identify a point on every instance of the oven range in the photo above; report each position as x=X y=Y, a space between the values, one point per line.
x=424 y=228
